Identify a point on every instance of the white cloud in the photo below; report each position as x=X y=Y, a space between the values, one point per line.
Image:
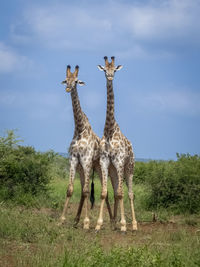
x=115 y=25
x=11 y=61
x=64 y=26
x=169 y=101
x=138 y=51
x=163 y=20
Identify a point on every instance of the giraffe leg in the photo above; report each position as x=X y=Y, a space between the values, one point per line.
x=77 y=218
x=73 y=165
x=114 y=181
x=86 y=168
x=109 y=208
x=86 y=222
x=120 y=194
x=115 y=211
x=104 y=162
x=98 y=169
x=78 y=215
x=123 y=221
x=129 y=182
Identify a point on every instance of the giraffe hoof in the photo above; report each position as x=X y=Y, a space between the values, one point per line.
x=86 y=224
x=75 y=225
x=134 y=228
x=123 y=232
x=123 y=229
x=61 y=221
x=76 y=221
x=114 y=227
x=97 y=229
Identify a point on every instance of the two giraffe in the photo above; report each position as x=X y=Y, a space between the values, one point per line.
x=111 y=156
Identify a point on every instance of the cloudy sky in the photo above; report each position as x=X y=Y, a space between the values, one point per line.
x=157 y=92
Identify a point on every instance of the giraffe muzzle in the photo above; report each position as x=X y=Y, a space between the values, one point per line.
x=68 y=90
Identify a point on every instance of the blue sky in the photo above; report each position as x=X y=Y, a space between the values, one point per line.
x=157 y=93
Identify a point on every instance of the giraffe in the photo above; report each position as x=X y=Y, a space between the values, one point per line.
x=116 y=155
x=84 y=150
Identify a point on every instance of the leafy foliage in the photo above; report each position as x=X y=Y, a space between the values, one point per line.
x=22 y=169
x=173 y=184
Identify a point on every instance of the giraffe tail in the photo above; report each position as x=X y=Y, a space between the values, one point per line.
x=92 y=198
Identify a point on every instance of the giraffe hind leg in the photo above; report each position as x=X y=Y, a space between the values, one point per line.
x=114 y=181
x=73 y=165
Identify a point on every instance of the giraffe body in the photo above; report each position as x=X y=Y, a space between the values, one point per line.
x=116 y=155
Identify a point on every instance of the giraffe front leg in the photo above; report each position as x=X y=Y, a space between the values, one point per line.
x=73 y=165
x=131 y=199
x=104 y=162
x=98 y=169
x=123 y=221
x=86 y=168
x=120 y=194
x=86 y=222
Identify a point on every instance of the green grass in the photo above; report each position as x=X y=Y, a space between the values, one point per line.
x=30 y=236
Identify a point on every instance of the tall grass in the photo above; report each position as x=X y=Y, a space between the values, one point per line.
x=31 y=237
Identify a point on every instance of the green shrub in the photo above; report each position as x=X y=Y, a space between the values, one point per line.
x=175 y=184
x=59 y=167
x=143 y=170
x=22 y=169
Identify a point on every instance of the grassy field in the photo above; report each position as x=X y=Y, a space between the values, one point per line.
x=30 y=236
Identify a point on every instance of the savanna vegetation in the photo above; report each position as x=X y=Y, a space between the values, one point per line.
x=32 y=194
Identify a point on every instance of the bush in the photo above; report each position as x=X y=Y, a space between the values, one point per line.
x=142 y=171
x=174 y=184
x=22 y=169
x=59 y=167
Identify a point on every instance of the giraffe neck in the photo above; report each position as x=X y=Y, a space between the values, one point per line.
x=110 y=116
x=79 y=116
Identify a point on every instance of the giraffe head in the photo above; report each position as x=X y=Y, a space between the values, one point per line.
x=110 y=68
x=72 y=79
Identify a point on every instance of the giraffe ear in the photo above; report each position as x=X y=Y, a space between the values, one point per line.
x=119 y=67
x=64 y=81
x=80 y=83
x=101 y=68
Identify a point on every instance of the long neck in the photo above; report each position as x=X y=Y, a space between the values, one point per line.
x=110 y=116
x=78 y=113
